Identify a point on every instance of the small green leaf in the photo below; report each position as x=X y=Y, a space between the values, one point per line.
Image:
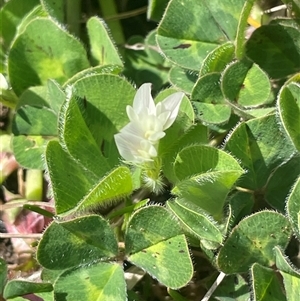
x=153 y=242
x=156 y=9
x=276 y=48
x=232 y=288
x=253 y=240
x=293 y=207
x=103 y=51
x=291 y=286
x=183 y=79
x=55 y=8
x=210 y=113
x=207 y=89
x=70 y=181
x=289 y=111
x=260 y=147
x=266 y=285
x=111 y=69
x=42 y=51
x=291 y=276
x=218 y=59
x=245 y=84
x=168 y=261
x=16 y=288
x=280 y=183
x=11 y=16
x=55 y=95
x=195 y=221
x=148 y=226
x=199 y=159
x=283 y=263
x=29 y=151
x=34 y=115
x=106 y=97
x=35 y=121
x=208 y=190
x=111 y=188
x=3 y=274
x=78 y=140
x=103 y=281
x=210 y=24
x=82 y=240
x=171 y=145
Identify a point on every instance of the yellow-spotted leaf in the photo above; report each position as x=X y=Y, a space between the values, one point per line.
x=154 y=242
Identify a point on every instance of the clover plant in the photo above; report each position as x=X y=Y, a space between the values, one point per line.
x=196 y=186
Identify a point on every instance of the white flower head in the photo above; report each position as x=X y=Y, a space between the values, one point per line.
x=138 y=140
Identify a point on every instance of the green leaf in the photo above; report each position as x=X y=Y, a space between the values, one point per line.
x=29 y=151
x=280 y=183
x=260 y=147
x=153 y=243
x=106 y=99
x=103 y=51
x=232 y=288
x=266 y=285
x=3 y=274
x=168 y=261
x=208 y=100
x=253 y=240
x=172 y=144
x=55 y=95
x=210 y=113
x=291 y=276
x=148 y=226
x=39 y=121
x=103 y=281
x=111 y=69
x=156 y=9
x=82 y=240
x=42 y=51
x=11 y=16
x=111 y=188
x=293 y=207
x=289 y=111
x=209 y=25
x=217 y=60
x=242 y=26
x=283 y=264
x=199 y=159
x=206 y=176
x=241 y=205
x=16 y=288
x=55 y=8
x=78 y=140
x=208 y=190
x=62 y=167
x=291 y=285
x=183 y=79
x=196 y=222
x=276 y=48
x=245 y=84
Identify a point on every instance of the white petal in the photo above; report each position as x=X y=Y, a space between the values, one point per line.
x=131 y=114
x=133 y=128
x=143 y=100
x=172 y=104
x=156 y=136
x=3 y=82
x=126 y=150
